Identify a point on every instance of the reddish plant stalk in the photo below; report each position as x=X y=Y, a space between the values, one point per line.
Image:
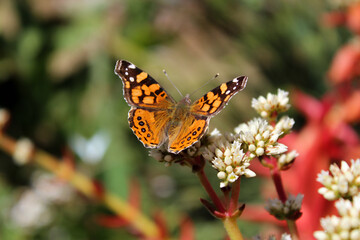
x=234 y=196
x=275 y=175
x=210 y=191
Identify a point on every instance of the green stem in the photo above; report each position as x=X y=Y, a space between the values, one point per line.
x=232 y=229
x=293 y=230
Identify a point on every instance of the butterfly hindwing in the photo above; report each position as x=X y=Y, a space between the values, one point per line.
x=149 y=126
x=140 y=89
x=215 y=100
x=183 y=136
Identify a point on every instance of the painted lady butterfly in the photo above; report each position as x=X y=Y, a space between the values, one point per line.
x=155 y=117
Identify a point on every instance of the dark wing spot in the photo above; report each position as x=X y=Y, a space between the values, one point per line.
x=148 y=135
x=141 y=123
x=143 y=130
x=189 y=138
x=194 y=133
x=199 y=128
x=139 y=118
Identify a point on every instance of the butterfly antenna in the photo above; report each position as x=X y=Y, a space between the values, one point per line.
x=216 y=75
x=172 y=83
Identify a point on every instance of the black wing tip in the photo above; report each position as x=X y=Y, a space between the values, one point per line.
x=118 y=66
x=242 y=80
x=121 y=63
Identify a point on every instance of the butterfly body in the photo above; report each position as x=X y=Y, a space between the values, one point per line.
x=157 y=119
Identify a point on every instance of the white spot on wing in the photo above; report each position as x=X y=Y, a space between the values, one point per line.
x=235 y=80
x=131 y=79
x=126 y=69
x=126 y=73
x=227 y=92
x=234 y=88
x=132 y=66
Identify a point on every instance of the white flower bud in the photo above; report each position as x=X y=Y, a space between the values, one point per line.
x=221 y=175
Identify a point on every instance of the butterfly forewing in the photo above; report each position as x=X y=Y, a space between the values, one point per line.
x=215 y=100
x=140 y=89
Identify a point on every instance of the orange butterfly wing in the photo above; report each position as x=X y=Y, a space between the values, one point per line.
x=215 y=100
x=151 y=106
x=149 y=126
x=140 y=89
x=182 y=136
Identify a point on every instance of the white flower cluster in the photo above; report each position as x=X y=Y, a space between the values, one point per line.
x=288 y=210
x=227 y=158
x=261 y=138
x=266 y=107
x=162 y=155
x=344 y=182
x=347 y=226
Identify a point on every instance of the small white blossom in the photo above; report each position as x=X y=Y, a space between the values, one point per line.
x=344 y=181
x=345 y=226
x=261 y=138
x=229 y=159
x=266 y=107
x=286 y=159
x=284 y=125
x=23 y=151
x=286 y=236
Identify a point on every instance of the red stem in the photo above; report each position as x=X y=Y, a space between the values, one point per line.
x=234 y=196
x=275 y=174
x=212 y=194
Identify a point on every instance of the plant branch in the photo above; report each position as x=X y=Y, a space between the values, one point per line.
x=275 y=175
x=209 y=189
x=232 y=229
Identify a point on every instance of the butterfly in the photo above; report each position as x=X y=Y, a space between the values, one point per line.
x=157 y=119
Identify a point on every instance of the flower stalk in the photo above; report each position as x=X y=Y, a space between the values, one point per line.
x=232 y=229
x=276 y=177
x=210 y=191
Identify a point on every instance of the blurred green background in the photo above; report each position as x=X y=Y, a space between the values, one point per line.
x=57 y=81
